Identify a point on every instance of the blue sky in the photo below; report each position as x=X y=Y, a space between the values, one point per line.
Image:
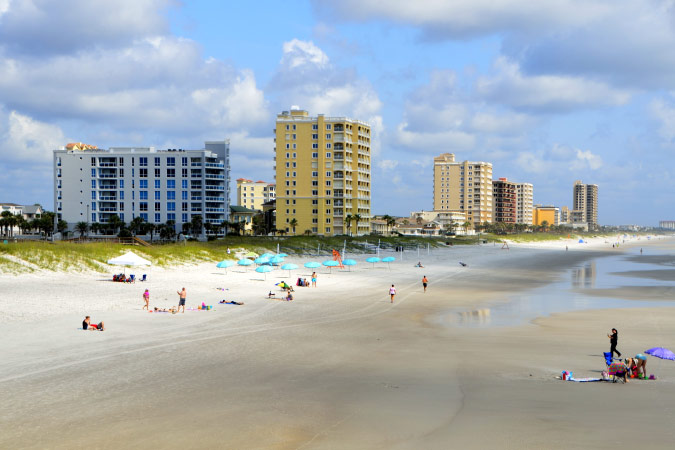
x=547 y=92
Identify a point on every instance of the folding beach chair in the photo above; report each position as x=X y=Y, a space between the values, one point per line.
x=609 y=359
x=133 y=278
x=617 y=370
x=145 y=278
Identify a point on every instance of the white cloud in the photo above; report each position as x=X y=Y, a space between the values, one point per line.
x=387 y=164
x=586 y=159
x=664 y=114
x=23 y=138
x=511 y=87
x=297 y=53
x=559 y=158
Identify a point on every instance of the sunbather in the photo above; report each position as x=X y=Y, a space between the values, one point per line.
x=87 y=325
x=231 y=302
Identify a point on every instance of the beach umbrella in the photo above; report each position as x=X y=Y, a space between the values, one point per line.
x=349 y=262
x=283 y=255
x=252 y=255
x=388 y=259
x=267 y=255
x=373 y=259
x=264 y=269
x=276 y=259
x=312 y=265
x=261 y=260
x=661 y=352
x=289 y=267
x=225 y=264
x=244 y=262
x=330 y=264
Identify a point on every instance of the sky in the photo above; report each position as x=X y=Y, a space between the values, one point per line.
x=548 y=92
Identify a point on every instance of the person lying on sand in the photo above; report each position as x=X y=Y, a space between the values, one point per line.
x=231 y=302
x=171 y=310
x=87 y=325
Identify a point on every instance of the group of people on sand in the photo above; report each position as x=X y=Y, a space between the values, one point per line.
x=182 y=296
x=636 y=367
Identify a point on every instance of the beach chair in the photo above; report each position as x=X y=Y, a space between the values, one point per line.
x=618 y=371
x=132 y=277
x=145 y=277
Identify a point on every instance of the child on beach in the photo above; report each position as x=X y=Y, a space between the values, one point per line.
x=146 y=298
x=392 y=292
x=313 y=279
x=424 y=282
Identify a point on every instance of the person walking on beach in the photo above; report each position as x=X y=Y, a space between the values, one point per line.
x=146 y=298
x=181 y=302
x=613 y=339
x=313 y=279
x=424 y=282
x=392 y=293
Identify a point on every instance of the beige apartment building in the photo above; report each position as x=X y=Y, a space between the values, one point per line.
x=524 y=202
x=585 y=209
x=463 y=186
x=322 y=174
x=252 y=194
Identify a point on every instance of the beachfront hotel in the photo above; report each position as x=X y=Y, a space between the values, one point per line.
x=549 y=214
x=463 y=186
x=524 y=201
x=585 y=210
x=91 y=184
x=503 y=201
x=252 y=194
x=322 y=174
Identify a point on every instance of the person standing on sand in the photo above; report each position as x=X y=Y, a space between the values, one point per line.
x=424 y=282
x=146 y=298
x=313 y=279
x=613 y=340
x=392 y=293
x=181 y=302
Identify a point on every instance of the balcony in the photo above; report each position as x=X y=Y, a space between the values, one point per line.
x=107 y=175
x=214 y=199
x=214 y=188
x=212 y=176
x=214 y=209
x=113 y=198
x=214 y=165
x=107 y=164
x=196 y=164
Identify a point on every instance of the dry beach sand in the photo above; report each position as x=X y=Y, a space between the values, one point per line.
x=340 y=366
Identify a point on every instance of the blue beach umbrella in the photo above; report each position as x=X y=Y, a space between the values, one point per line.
x=264 y=269
x=225 y=264
x=388 y=259
x=262 y=260
x=349 y=262
x=330 y=264
x=283 y=255
x=267 y=255
x=661 y=352
x=312 y=265
x=373 y=259
x=244 y=262
x=289 y=267
x=276 y=259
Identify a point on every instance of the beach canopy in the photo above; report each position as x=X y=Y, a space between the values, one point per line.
x=129 y=259
x=388 y=259
x=244 y=262
x=225 y=264
x=312 y=265
x=661 y=352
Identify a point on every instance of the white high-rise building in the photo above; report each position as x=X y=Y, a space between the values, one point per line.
x=91 y=184
x=524 y=201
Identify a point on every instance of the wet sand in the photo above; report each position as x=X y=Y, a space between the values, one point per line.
x=339 y=367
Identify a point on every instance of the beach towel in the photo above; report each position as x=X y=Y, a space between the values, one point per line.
x=585 y=380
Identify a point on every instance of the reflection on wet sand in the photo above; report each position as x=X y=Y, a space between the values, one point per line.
x=584 y=277
x=478 y=316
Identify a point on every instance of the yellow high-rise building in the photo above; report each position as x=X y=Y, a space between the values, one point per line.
x=322 y=174
x=252 y=194
x=463 y=186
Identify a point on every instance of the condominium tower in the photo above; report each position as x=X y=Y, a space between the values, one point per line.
x=585 y=209
x=504 y=201
x=524 y=200
x=91 y=185
x=252 y=194
x=322 y=174
x=463 y=186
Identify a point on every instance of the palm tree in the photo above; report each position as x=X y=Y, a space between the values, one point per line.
x=136 y=225
x=95 y=227
x=115 y=223
x=466 y=225
x=82 y=228
x=197 y=224
x=293 y=223
x=348 y=221
x=356 y=218
x=225 y=225
x=544 y=225
x=391 y=221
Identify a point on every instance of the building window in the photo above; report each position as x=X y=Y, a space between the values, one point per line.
x=315 y=145
x=158 y=206
x=295 y=146
x=314 y=136
x=328 y=183
x=295 y=136
x=328 y=145
x=315 y=202
x=315 y=174
x=171 y=161
x=143 y=173
x=315 y=182
x=294 y=174
x=315 y=126
x=93 y=206
x=157 y=184
x=143 y=206
x=184 y=173
x=315 y=193
x=184 y=161
x=328 y=155
x=184 y=217
x=93 y=195
x=328 y=174
x=287 y=166
x=158 y=218
x=171 y=184
x=171 y=206
x=121 y=195
x=93 y=184
x=183 y=195
x=171 y=216
x=144 y=216
x=158 y=195
x=184 y=206
x=142 y=161
x=328 y=136
x=328 y=126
